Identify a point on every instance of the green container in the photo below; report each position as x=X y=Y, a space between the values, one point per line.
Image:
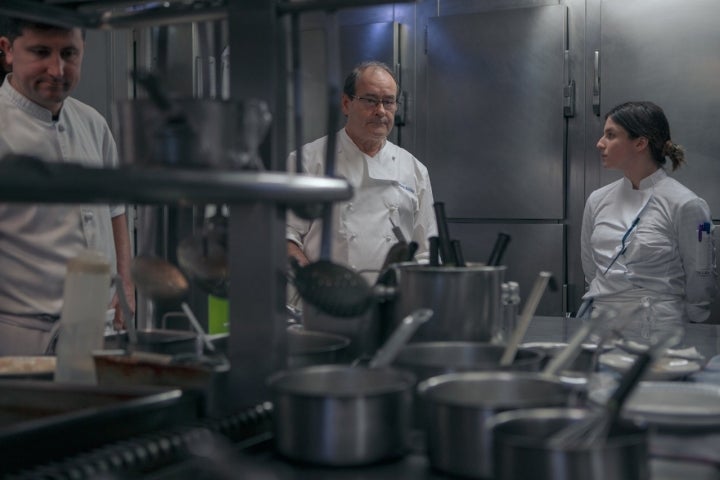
x=218 y=315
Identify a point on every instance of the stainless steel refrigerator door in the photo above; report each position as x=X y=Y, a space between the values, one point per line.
x=495 y=136
x=666 y=51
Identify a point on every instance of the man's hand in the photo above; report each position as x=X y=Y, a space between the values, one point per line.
x=129 y=289
x=296 y=252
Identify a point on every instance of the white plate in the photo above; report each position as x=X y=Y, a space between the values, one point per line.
x=664 y=368
x=670 y=404
x=636 y=348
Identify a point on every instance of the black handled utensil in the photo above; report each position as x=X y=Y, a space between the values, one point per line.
x=411 y=250
x=446 y=252
x=498 y=249
x=457 y=253
x=433 y=243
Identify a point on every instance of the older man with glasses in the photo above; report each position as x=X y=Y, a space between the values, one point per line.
x=391 y=187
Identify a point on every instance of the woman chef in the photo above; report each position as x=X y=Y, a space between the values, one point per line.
x=647 y=240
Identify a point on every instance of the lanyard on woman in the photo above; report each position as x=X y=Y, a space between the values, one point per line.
x=623 y=241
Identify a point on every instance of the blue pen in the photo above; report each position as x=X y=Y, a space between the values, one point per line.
x=703 y=227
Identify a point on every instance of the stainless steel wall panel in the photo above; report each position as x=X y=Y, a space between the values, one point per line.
x=533 y=247
x=665 y=51
x=669 y=57
x=495 y=143
x=578 y=171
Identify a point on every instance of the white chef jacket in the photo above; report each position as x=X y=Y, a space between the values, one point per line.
x=391 y=185
x=37 y=240
x=664 y=267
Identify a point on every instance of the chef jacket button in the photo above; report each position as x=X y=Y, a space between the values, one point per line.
x=61 y=128
x=388 y=238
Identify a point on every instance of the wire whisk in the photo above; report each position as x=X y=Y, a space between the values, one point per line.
x=593 y=430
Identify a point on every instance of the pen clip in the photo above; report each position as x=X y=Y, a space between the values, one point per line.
x=703 y=227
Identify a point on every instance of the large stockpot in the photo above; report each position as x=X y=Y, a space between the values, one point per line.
x=521 y=451
x=457 y=406
x=466 y=300
x=341 y=415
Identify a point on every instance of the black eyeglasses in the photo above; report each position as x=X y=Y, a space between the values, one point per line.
x=370 y=102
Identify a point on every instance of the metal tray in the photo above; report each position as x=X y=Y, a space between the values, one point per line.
x=43 y=421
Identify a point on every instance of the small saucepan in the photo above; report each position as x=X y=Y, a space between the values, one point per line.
x=521 y=448
x=308 y=347
x=429 y=359
x=345 y=415
x=457 y=405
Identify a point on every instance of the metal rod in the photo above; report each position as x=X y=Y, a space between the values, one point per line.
x=39 y=12
x=314 y=5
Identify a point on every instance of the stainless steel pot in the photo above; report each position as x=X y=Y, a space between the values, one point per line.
x=520 y=449
x=466 y=300
x=364 y=330
x=347 y=415
x=457 y=405
x=429 y=359
x=341 y=415
x=161 y=340
x=307 y=347
x=583 y=363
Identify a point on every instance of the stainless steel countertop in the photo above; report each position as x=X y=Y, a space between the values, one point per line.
x=704 y=337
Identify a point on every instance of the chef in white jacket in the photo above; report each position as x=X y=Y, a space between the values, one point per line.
x=647 y=240
x=391 y=186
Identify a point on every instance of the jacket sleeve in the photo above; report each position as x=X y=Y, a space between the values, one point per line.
x=697 y=254
x=296 y=227
x=586 y=253
x=425 y=225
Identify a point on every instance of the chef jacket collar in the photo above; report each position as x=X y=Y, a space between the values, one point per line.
x=380 y=167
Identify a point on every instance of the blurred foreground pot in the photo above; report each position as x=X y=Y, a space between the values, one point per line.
x=428 y=359
x=341 y=415
x=521 y=450
x=458 y=405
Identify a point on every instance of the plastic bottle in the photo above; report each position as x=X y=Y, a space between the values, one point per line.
x=85 y=301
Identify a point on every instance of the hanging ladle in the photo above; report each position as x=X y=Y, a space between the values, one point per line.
x=162 y=282
x=203 y=256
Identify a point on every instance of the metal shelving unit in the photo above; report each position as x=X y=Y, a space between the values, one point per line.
x=24 y=179
x=257 y=246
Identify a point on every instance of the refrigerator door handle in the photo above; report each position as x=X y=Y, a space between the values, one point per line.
x=596 y=84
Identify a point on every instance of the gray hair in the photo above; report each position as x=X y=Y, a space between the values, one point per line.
x=349 y=88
